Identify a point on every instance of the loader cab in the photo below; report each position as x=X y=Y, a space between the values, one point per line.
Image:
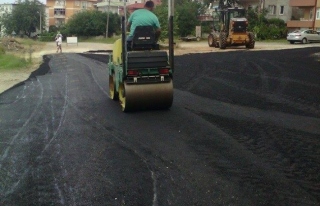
x=143 y=39
x=221 y=18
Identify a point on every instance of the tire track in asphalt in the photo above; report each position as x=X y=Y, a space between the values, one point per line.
x=244 y=78
x=297 y=156
x=40 y=160
x=96 y=164
x=11 y=175
x=87 y=61
x=277 y=94
x=56 y=61
x=308 y=109
x=49 y=185
x=287 y=121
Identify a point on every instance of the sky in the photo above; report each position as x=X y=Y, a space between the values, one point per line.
x=13 y=1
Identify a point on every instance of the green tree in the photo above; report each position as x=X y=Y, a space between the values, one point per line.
x=25 y=18
x=161 y=12
x=187 y=17
x=264 y=28
x=92 y=23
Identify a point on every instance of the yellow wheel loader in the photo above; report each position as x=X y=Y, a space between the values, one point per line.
x=230 y=29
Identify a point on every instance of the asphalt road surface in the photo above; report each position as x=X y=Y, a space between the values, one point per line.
x=244 y=129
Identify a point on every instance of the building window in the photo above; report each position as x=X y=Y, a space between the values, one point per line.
x=84 y=4
x=272 y=9
x=60 y=3
x=281 y=10
x=318 y=14
x=59 y=22
x=77 y=3
x=311 y=14
x=59 y=12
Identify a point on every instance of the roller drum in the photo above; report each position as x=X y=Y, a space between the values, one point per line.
x=146 y=96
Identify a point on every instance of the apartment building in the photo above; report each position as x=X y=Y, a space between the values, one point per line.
x=278 y=9
x=59 y=11
x=317 y=17
x=305 y=15
x=5 y=8
x=113 y=6
x=116 y=6
x=251 y=4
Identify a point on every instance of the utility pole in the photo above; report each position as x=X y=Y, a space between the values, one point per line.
x=314 y=14
x=40 y=22
x=107 y=27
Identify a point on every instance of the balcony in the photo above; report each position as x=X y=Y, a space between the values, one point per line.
x=59 y=16
x=300 y=24
x=302 y=3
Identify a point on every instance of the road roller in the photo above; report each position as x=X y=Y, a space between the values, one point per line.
x=140 y=74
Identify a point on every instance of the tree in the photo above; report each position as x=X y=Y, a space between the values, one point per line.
x=264 y=28
x=92 y=23
x=161 y=12
x=187 y=17
x=24 y=19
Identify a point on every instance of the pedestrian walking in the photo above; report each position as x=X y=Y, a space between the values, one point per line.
x=59 y=43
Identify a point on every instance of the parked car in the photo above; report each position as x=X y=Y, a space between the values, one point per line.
x=303 y=36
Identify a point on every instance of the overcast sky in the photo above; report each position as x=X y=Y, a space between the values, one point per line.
x=13 y=1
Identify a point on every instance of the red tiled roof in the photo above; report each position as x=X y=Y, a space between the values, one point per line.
x=135 y=6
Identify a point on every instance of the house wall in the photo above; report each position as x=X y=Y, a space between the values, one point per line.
x=70 y=8
x=287 y=10
x=304 y=15
x=4 y=8
x=302 y=2
x=115 y=6
x=250 y=3
x=317 y=21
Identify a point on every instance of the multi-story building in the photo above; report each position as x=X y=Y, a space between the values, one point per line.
x=116 y=6
x=61 y=10
x=278 y=9
x=113 y=6
x=5 y=8
x=305 y=15
x=317 y=17
x=251 y=4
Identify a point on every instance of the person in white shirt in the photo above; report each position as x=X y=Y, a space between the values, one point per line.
x=59 y=43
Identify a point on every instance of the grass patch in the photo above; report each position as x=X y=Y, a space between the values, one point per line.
x=99 y=40
x=10 y=62
x=274 y=40
x=18 y=53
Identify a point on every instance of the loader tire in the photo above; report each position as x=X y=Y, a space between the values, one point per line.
x=211 y=40
x=223 y=40
x=250 y=44
x=216 y=41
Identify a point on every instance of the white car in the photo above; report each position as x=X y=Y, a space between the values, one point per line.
x=304 y=36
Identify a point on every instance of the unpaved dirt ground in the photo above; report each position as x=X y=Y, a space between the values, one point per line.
x=244 y=129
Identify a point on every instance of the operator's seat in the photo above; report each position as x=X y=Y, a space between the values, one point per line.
x=143 y=39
